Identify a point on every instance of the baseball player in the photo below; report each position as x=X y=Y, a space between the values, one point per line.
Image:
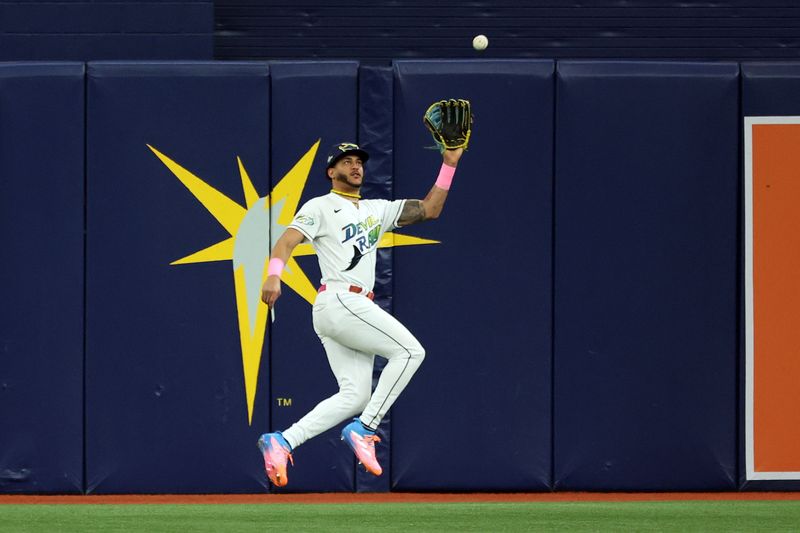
x=345 y=231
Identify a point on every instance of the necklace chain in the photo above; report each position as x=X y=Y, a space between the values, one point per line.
x=347 y=194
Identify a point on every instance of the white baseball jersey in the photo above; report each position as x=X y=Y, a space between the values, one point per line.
x=351 y=327
x=345 y=236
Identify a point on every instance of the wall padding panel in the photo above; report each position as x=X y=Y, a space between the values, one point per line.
x=167 y=409
x=311 y=101
x=480 y=301
x=41 y=319
x=770 y=94
x=645 y=276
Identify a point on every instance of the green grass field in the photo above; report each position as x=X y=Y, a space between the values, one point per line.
x=486 y=517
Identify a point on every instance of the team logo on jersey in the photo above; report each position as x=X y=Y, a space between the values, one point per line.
x=252 y=227
x=366 y=235
x=371 y=227
x=304 y=220
x=357 y=255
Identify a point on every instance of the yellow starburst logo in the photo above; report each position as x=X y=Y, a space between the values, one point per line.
x=251 y=229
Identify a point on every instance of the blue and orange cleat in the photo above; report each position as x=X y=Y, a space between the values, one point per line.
x=362 y=442
x=276 y=452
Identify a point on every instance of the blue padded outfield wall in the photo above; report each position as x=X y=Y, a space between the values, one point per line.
x=645 y=284
x=166 y=407
x=768 y=90
x=578 y=298
x=41 y=224
x=319 y=100
x=493 y=263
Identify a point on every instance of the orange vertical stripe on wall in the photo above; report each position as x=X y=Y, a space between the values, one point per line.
x=776 y=287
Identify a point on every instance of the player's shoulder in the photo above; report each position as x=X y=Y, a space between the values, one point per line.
x=382 y=206
x=374 y=202
x=317 y=202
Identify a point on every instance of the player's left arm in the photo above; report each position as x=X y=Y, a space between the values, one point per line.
x=431 y=207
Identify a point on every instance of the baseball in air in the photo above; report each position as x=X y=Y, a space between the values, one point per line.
x=480 y=42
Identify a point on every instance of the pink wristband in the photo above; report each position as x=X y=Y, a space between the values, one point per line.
x=445 y=178
x=275 y=267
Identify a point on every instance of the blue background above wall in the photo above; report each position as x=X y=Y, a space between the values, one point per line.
x=106 y=29
x=381 y=31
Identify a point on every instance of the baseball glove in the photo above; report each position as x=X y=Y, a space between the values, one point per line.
x=450 y=123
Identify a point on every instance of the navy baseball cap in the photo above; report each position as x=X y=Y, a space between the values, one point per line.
x=339 y=150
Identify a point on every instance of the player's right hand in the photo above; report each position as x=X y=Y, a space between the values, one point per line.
x=271 y=290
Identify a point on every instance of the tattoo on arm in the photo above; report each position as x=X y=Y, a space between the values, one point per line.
x=413 y=212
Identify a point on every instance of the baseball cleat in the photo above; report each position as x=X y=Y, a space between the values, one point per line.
x=362 y=442
x=276 y=452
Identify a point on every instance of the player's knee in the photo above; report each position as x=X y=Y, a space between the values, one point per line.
x=417 y=354
x=413 y=352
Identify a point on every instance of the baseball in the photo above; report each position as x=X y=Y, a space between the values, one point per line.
x=480 y=42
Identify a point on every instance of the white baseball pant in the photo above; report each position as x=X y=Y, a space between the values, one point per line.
x=353 y=329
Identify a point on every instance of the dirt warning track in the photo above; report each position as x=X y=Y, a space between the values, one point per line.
x=399 y=497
